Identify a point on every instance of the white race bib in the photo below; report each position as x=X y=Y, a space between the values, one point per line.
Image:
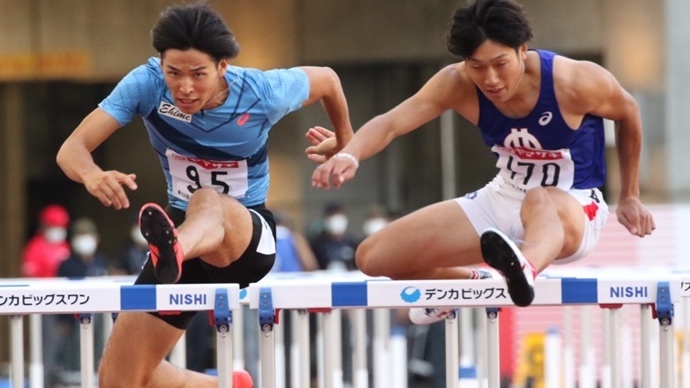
x=190 y=174
x=526 y=168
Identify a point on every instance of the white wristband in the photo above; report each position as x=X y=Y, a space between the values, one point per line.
x=345 y=155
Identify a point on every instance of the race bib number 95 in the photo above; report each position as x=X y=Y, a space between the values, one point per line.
x=526 y=168
x=190 y=174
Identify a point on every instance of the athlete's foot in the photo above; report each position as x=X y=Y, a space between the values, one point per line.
x=502 y=254
x=429 y=315
x=166 y=252
x=242 y=379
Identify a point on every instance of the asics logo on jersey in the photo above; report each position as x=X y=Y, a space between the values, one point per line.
x=170 y=110
x=244 y=117
x=545 y=118
x=521 y=138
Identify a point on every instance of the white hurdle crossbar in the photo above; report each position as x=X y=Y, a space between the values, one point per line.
x=332 y=294
x=85 y=297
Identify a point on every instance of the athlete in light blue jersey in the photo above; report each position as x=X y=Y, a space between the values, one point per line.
x=209 y=124
x=223 y=148
x=542 y=116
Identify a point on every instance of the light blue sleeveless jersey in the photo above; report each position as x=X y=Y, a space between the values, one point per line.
x=223 y=148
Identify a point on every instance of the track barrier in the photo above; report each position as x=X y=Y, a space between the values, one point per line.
x=654 y=292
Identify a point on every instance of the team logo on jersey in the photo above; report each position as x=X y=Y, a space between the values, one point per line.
x=521 y=138
x=244 y=117
x=170 y=110
x=545 y=118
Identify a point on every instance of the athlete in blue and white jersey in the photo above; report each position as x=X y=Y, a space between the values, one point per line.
x=209 y=123
x=224 y=147
x=542 y=116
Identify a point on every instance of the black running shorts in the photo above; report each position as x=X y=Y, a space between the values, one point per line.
x=249 y=268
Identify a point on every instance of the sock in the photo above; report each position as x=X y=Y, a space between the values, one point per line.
x=533 y=268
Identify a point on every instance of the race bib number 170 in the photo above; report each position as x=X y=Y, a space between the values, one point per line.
x=527 y=168
x=190 y=174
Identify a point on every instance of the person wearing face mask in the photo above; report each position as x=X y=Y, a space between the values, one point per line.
x=48 y=247
x=85 y=261
x=333 y=247
x=376 y=220
x=132 y=257
x=40 y=259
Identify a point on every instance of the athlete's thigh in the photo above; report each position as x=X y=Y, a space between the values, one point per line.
x=593 y=212
x=137 y=344
x=572 y=215
x=237 y=222
x=438 y=235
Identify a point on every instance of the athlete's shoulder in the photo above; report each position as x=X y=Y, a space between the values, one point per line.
x=272 y=85
x=450 y=83
x=151 y=71
x=258 y=76
x=578 y=81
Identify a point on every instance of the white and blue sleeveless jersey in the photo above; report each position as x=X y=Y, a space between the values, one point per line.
x=540 y=149
x=223 y=148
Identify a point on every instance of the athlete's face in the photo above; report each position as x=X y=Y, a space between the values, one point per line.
x=497 y=69
x=194 y=79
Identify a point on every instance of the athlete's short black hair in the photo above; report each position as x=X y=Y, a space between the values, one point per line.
x=502 y=21
x=194 y=26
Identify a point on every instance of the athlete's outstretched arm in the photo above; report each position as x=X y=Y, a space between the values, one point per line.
x=428 y=103
x=607 y=98
x=75 y=159
x=325 y=86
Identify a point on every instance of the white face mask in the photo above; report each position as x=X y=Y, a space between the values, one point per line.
x=55 y=234
x=84 y=245
x=373 y=225
x=336 y=224
x=137 y=237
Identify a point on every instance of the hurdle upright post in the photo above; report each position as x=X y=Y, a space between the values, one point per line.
x=452 y=353
x=646 y=319
x=86 y=349
x=299 y=349
x=267 y=317
x=664 y=309
x=17 y=350
x=222 y=319
x=493 y=347
x=36 y=368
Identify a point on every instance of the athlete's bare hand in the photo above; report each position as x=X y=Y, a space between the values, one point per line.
x=107 y=186
x=323 y=144
x=333 y=173
x=635 y=217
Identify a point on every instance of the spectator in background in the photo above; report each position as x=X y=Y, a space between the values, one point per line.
x=376 y=219
x=335 y=250
x=85 y=261
x=293 y=253
x=333 y=247
x=40 y=259
x=131 y=258
x=48 y=247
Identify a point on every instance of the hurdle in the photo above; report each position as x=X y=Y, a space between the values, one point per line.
x=327 y=295
x=19 y=298
x=655 y=293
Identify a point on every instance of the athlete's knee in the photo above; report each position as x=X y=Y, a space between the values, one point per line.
x=204 y=196
x=365 y=258
x=538 y=197
x=108 y=377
